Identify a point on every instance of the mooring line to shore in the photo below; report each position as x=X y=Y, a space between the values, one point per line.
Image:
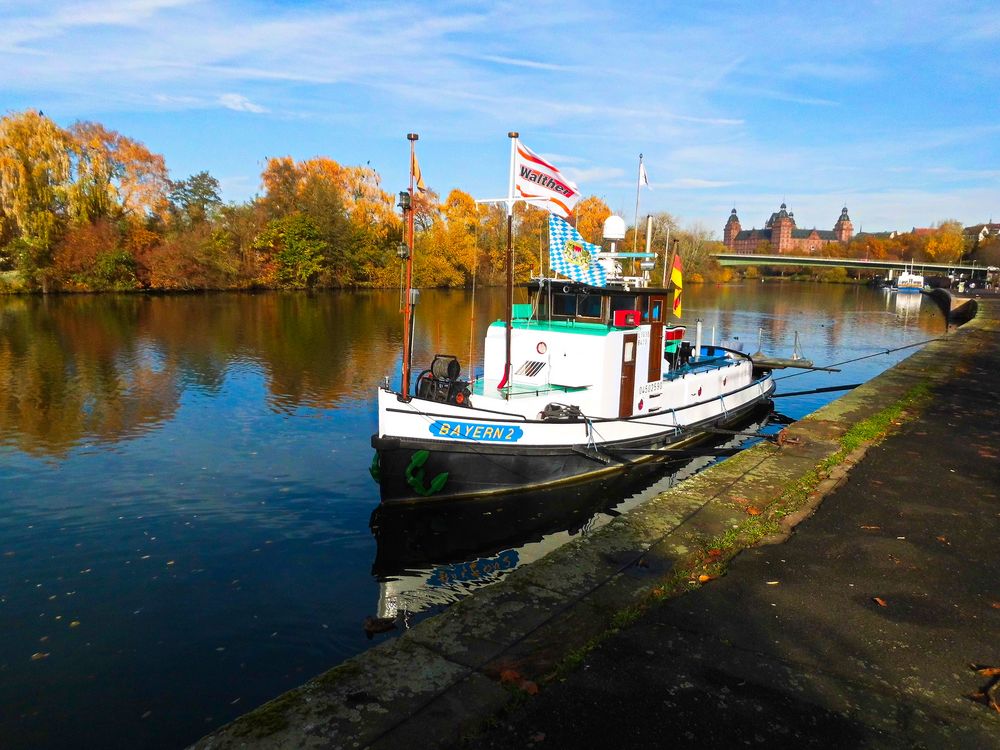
x=866 y=356
x=827 y=389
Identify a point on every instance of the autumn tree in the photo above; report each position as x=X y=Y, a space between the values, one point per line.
x=531 y=241
x=34 y=170
x=355 y=217
x=946 y=244
x=115 y=175
x=590 y=214
x=446 y=239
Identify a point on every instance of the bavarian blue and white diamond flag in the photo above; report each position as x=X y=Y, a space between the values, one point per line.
x=571 y=256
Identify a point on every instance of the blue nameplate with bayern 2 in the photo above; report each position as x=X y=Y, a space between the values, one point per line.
x=491 y=433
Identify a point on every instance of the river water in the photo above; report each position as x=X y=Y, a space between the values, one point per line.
x=185 y=497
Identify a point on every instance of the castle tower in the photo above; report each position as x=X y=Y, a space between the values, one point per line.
x=732 y=229
x=781 y=230
x=843 y=229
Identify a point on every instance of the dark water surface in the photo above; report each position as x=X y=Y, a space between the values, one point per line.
x=185 y=497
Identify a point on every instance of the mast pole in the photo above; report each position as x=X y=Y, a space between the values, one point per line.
x=408 y=301
x=638 y=185
x=666 y=252
x=510 y=261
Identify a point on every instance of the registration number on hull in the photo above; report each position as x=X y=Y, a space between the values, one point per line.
x=496 y=433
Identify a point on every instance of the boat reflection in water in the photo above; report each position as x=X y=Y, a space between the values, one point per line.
x=432 y=554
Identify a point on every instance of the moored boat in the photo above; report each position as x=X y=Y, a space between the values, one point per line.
x=909 y=282
x=585 y=380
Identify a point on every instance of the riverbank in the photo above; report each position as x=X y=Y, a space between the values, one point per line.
x=449 y=675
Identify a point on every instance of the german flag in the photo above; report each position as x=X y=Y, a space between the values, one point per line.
x=677 y=280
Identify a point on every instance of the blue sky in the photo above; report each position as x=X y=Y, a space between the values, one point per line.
x=888 y=107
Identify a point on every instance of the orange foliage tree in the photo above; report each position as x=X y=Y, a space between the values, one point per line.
x=590 y=214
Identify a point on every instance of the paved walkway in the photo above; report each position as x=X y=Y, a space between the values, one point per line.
x=857 y=632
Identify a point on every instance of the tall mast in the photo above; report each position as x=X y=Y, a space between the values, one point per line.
x=638 y=186
x=408 y=299
x=510 y=261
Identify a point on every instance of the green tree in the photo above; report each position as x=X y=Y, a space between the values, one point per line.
x=296 y=247
x=194 y=199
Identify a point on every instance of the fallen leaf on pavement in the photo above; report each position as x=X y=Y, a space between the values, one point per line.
x=879 y=601
x=753 y=510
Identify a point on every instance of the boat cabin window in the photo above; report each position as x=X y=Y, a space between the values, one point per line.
x=654 y=312
x=623 y=302
x=571 y=306
x=564 y=305
x=589 y=306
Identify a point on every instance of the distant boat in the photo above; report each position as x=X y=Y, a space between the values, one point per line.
x=909 y=282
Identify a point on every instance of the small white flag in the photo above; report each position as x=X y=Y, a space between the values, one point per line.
x=643 y=177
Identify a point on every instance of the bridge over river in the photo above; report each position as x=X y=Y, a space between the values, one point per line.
x=737 y=259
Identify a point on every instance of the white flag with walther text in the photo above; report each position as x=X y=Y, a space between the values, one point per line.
x=542 y=184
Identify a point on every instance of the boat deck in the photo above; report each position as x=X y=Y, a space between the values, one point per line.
x=703 y=364
x=524 y=389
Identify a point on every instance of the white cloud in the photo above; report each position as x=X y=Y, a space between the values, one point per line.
x=521 y=63
x=240 y=103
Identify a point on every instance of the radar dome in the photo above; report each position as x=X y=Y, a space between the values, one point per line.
x=614 y=228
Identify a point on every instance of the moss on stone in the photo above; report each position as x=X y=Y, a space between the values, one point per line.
x=270 y=718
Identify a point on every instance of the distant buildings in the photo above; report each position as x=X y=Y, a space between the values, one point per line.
x=781 y=235
x=979 y=232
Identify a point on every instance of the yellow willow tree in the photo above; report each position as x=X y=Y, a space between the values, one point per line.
x=434 y=246
x=462 y=216
x=493 y=241
x=34 y=170
x=531 y=246
x=116 y=176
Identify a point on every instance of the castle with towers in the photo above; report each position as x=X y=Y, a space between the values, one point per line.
x=782 y=236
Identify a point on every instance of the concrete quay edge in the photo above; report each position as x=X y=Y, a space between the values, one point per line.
x=452 y=672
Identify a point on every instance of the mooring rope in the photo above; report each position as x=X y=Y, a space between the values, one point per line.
x=858 y=359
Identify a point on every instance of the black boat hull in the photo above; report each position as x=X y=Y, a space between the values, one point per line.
x=478 y=470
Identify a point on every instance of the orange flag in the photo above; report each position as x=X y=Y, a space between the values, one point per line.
x=417 y=177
